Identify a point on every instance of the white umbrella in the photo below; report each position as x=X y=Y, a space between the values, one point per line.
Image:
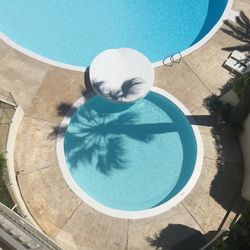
x=121 y=75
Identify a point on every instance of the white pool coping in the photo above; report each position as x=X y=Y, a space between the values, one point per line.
x=228 y=13
x=132 y=214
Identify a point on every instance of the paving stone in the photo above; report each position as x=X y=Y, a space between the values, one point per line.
x=59 y=87
x=213 y=194
x=4 y=49
x=89 y=229
x=34 y=138
x=48 y=197
x=22 y=76
x=154 y=232
x=182 y=83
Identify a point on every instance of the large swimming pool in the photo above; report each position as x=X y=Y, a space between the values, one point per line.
x=74 y=32
x=130 y=161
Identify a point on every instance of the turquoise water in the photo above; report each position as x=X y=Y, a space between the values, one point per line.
x=130 y=157
x=74 y=32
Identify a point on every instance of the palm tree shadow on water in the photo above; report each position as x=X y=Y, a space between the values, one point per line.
x=99 y=138
x=98 y=133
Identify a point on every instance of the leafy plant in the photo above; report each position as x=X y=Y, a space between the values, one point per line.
x=241 y=85
x=238 y=237
x=212 y=103
x=224 y=112
x=224 y=123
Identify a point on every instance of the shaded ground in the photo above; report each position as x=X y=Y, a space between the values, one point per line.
x=5 y=197
x=189 y=238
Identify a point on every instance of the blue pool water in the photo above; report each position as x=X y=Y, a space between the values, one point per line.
x=74 y=32
x=130 y=157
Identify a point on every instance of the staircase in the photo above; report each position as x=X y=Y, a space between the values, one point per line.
x=17 y=233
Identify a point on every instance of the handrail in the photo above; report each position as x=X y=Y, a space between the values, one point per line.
x=177 y=60
x=168 y=64
x=172 y=60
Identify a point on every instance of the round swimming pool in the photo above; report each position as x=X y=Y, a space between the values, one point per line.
x=130 y=161
x=74 y=32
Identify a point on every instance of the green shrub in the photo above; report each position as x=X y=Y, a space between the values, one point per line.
x=241 y=85
x=238 y=237
x=212 y=103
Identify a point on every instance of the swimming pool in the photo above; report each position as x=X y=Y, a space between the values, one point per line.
x=74 y=32
x=130 y=160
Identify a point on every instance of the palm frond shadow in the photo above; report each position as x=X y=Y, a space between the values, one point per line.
x=129 y=87
x=98 y=139
x=65 y=109
x=57 y=131
x=240 y=31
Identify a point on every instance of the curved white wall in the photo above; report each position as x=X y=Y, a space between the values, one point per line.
x=9 y=154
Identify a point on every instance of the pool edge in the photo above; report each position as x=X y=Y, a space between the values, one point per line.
x=131 y=214
x=226 y=14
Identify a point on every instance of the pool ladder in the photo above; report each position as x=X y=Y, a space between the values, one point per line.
x=176 y=58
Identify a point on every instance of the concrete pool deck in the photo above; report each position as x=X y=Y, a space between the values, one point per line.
x=39 y=88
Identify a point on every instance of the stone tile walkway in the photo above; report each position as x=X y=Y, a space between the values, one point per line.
x=40 y=88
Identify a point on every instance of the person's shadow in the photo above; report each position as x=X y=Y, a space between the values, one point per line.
x=179 y=237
